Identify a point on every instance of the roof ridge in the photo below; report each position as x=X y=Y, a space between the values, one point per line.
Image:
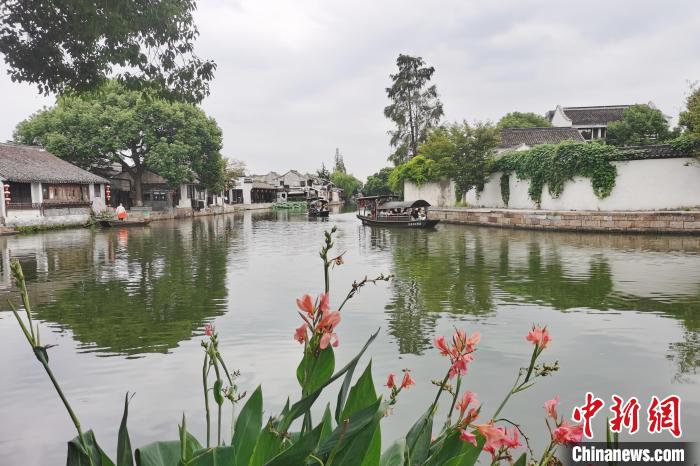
x=595 y=107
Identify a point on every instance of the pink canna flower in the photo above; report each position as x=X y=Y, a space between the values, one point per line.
x=407 y=380
x=511 y=442
x=300 y=334
x=551 y=407
x=441 y=345
x=323 y=302
x=208 y=330
x=329 y=321
x=467 y=436
x=390 y=382
x=568 y=434
x=539 y=336
x=460 y=365
x=467 y=399
x=329 y=337
x=306 y=304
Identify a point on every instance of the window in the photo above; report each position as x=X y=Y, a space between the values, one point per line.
x=190 y=191
x=98 y=190
x=57 y=193
x=21 y=193
x=302 y=183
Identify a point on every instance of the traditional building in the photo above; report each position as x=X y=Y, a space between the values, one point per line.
x=248 y=190
x=591 y=122
x=42 y=189
x=525 y=138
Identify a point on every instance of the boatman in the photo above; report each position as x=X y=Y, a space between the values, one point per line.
x=121 y=212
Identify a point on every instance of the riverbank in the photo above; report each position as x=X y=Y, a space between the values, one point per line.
x=671 y=222
x=211 y=210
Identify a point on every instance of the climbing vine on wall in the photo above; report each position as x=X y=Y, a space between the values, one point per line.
x=554 y=165
x=505 y=188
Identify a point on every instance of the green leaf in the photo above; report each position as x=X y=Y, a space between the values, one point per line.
x=301 y=406
x=188 y=444
x=418 y=438
x=78 y=456
x=124 y=454
x=374 y=451
x=218 y=456
x=343 y=393
x=362 y=394
x=522 y=460
x=327 y=423
x=218 y=396
x=453 y=450
x=351 y=427
x=297 y=453
x=393 y=456
x=159 y=454
x=319 y=369
x=266 y=447
x=247 y=428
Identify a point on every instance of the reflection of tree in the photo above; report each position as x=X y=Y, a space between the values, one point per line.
x=154 y=292
x=464 y=271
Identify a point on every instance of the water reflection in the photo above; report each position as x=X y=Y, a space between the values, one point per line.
x=130 y=290
x=473 y=270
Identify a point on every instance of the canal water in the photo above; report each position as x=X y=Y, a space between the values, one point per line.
x=126 y=309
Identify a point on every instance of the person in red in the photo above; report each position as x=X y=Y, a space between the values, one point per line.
x=121 y=212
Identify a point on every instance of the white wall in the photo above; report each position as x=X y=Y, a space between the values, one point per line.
x=439 y=193
x=559 y=119
x=640 y=185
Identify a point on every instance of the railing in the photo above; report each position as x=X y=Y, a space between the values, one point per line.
x=42 y=206
x=23 y=206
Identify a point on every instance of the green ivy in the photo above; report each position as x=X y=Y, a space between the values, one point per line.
x=554 y=165
x=505 y=188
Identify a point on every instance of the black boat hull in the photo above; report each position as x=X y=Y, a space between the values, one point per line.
x=321 y=214
x=399 y=224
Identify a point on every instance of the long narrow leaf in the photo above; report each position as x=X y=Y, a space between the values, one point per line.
x=124 y=453
x=247 y=428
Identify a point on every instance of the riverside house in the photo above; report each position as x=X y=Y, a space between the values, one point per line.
x=42 y=189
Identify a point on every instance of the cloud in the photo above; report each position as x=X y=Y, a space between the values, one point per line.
x=297 y=79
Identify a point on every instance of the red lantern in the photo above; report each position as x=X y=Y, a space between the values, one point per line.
x=6 y=189
x=108 y=194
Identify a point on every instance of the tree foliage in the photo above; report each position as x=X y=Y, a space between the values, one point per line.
x=78 y=44
x=378 y=183
x=640 y=125
x=689 y=119
x=415 y=107
x=458 y=151
x=115 y=125
x=523 y=120
x=323 y=172
x=234 y=169
x=339 y=162
x=347 y=182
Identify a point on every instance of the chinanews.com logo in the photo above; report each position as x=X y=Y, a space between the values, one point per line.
x=630 y=417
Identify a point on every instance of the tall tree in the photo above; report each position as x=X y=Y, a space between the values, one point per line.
x=116 y=125
x=77 y=45
x=689 y=119
x=415 y=107
x=323 y=172
x=523 y=120
x=640 y=125
x=339 y=163
x=347 y=182
x=378 y=183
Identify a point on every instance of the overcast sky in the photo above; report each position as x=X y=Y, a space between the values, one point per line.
x=296 y=79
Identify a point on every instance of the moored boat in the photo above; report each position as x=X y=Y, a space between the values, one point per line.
x=386 y=211
x=123 y=223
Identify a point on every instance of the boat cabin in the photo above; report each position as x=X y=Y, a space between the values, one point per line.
x=376 y=210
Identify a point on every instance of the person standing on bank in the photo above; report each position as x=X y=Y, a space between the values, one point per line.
x=121 y=212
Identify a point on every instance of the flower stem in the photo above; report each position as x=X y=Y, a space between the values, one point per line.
x=205 y=373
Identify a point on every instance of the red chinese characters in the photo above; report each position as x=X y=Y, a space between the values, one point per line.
x=626 y=415
x=665 y=415
x=587 y=412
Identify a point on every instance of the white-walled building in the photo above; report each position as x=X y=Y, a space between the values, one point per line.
x=42 y=189
x=591 y=122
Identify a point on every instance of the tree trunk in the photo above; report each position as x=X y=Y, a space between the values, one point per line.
x=138 y=187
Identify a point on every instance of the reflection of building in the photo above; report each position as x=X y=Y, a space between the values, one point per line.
x=41 y=189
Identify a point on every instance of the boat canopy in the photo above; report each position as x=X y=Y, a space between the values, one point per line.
x=403 y=204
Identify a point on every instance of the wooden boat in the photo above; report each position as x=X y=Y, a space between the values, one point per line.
x=385 y=211
x=318 y=207
x=124 y=223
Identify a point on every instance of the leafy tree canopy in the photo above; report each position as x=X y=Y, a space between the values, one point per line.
x=415 y=107
x=523 y=120
x=689 y=119
x=116 y=125
x=640 y=125
x=234 y=169
x=323 y=172
x=347 y=182
x=378 y=183
x=75 y=45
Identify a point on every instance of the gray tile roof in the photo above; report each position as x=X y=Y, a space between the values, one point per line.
x=601 y=115
x=515 y=137
x=30 y=164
